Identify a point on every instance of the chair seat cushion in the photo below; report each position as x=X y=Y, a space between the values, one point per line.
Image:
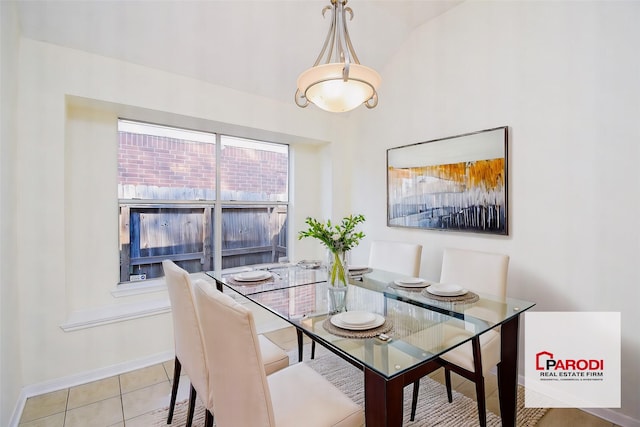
x=463 y=354
x=273 y=357
x=303 y=397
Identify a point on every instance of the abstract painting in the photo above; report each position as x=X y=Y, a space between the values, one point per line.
x=458 y=183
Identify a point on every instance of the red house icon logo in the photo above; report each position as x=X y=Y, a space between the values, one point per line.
x=540 y=365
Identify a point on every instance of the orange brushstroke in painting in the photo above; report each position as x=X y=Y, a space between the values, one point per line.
x=488 y=174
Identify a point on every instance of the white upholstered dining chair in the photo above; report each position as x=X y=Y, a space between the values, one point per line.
x=482 y=272
x=398 y=257
x=240 y=392
x=189 y=351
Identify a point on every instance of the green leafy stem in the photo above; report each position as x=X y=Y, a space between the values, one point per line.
x=338 y=270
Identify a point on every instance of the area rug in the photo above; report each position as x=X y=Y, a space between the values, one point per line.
x=433 y=408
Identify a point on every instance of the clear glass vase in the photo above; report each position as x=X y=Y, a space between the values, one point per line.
x=337 y=299
x=337 y=278
x=337 y=268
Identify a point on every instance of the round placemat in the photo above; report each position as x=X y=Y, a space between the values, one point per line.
x=467 y=298
x=348 y=333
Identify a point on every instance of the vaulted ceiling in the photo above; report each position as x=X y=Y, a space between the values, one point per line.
x=254 y=46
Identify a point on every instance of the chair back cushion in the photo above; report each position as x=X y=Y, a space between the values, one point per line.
x=238 y=383
x=478 y=271
x=398 y=257
x=186 y=326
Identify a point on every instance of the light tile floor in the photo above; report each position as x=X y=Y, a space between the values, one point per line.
x=129 y=398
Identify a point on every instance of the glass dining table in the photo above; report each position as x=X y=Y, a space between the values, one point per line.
x=413 y=328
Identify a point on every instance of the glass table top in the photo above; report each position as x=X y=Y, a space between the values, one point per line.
x=282 y=276
x=422 y=328
x=488 y=308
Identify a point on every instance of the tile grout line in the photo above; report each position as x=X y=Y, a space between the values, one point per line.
x=66 y=408
x=121 y=400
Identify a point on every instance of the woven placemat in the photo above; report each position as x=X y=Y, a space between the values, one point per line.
x=467 y=298
x=347 y=333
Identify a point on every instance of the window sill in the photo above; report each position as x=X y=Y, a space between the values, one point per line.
x=154 y=285
x=84 y=319
x=138 y=288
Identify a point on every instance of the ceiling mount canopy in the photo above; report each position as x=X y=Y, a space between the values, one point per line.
x=340 y=83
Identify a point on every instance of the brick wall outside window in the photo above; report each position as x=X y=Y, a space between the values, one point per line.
x=168 y=162
x=253 y=170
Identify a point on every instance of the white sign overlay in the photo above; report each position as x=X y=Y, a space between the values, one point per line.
x=572 y=359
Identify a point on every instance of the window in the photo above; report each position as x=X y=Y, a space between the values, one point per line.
x=175 y=185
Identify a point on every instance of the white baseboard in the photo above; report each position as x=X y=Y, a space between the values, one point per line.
x=83 y=378
x=613 y=416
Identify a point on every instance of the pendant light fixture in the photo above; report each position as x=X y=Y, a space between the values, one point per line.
x=340 y=83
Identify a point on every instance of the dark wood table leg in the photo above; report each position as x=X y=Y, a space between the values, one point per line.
x=383 y=400
x=300 y=343
x=508 y=371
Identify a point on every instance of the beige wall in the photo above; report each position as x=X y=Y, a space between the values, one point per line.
x=10 y=366
x=564 y=77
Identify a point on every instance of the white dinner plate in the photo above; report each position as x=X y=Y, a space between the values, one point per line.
x=411 y=282
x=422 y=284
x=307 y=263
x=252 y=276
x=357 y=318
x=446 y=290
x=358 y=267
x=377 y=321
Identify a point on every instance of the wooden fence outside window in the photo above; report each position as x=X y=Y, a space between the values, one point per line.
x=184 y=232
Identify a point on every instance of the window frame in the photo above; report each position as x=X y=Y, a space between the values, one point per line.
x=211 y=255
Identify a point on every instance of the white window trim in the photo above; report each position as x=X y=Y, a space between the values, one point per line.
x=120 y=312
x=90 y=318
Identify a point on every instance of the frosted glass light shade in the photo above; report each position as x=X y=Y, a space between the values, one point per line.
x=324 y=86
